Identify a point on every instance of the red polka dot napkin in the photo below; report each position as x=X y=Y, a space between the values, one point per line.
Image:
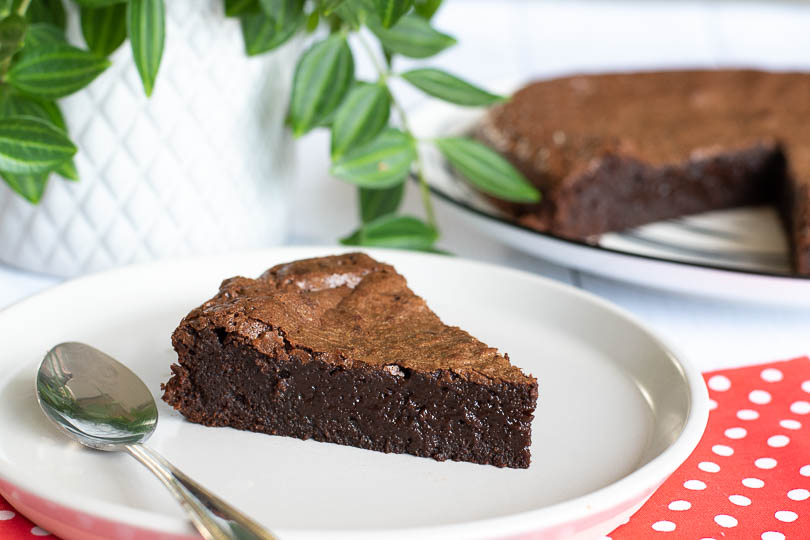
x=14 y=526
x=748 y=478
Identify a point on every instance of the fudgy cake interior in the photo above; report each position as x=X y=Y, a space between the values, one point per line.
x=614 y=151
x=339 y=349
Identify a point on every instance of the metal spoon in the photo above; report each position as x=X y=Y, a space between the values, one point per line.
x=102 y=404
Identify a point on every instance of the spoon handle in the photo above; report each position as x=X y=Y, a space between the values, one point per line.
x=213 y=518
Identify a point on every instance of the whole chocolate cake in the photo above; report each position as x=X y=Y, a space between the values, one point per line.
x=615 y=151
x=339 y=349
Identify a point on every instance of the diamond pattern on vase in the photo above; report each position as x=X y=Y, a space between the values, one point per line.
x=200 y=167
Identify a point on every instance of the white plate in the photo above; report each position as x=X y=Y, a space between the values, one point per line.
x=740 y=253
x=617 y=413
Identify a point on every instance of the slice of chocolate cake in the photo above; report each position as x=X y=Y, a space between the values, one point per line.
x=339 y=349
x=615 y=151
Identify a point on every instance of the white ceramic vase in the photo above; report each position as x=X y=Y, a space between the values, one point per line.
x=202 y=166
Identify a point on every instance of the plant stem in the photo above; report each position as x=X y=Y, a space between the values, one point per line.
x=381 y=71
x=5 y=64
x=23 y=7
x=384 y=73
x=420 y=174
x=423 y=187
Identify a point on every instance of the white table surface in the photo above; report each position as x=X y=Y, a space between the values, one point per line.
x=516 y=40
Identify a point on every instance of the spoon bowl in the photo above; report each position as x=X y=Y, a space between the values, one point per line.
x=102 y=404
x=94 y=398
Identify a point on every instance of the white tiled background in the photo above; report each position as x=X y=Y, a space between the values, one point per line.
x=518 y=40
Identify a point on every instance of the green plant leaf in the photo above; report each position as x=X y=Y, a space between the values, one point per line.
x=29 y=145
x=53 y=113
x=327 y=120
x=380 y=163
x=12 y=33
x=323 y=76
x=426 y=8
x=5 y=7
x=274 y=7
x=487 y=170
x=450 y=88
x=68 y=171
x=43 y=33
x=312 y=21
x=236 y=8
x=390 y=11
x=146 y=28
x=29 y=186
x=412 y=36
x=99 y=3
x=46 y=11
x=402 y=232
x=361 y=116
x=379 y=202
x=262 y=33
x=13 y=104
x=104 y=28
x=354 y=13
x=326 y=7
x=55 y=70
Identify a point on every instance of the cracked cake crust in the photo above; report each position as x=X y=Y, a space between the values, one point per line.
x=338 y=349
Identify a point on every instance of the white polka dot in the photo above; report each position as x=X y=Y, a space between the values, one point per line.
x=798 y=494
x=760 y=397
x=6 y=515
x=708 y=466
x=36 y=531
x=806 y=386
x=778 y=441
x=712 y=404
x=694 y=485
x=790 y=424
x=679 y=506
x=800 y=407
x=739 y=500
x=771 y=375
x=736 y=433
x=663 y=526
x=725 y=521
x=772 y=535
x=805 y=470
x=754 y=483
x=719 y=383
x=765 y=463
x=786 y=515
x=722 y=450
x=747 y=414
